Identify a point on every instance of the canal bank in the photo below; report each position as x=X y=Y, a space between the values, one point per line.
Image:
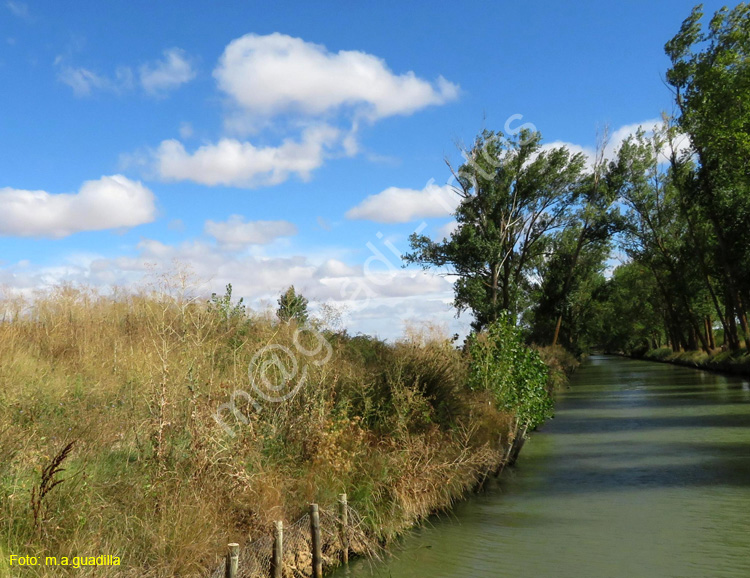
x=644 y=472
x=721 y=362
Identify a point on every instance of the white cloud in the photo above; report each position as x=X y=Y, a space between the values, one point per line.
x=375 y=296
x=84 y=81
x=333 y=268
x=236 y=232
x=156 y=78
x=167 y=74
x=396 y=205
x=446 y=230
x=275 y=74
x=326 y=96
x=241 y=164
x=81 y=80
x=616 y=138
x=108 y=203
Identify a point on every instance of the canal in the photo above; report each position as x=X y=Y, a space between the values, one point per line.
x=644 y=472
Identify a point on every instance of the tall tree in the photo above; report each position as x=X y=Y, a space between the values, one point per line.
x=594 y=223
x=630 y=315
x=710 y=75
x=514 y=194
x=570 y=279
x=656 y=234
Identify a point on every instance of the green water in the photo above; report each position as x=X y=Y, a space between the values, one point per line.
x=644 y=472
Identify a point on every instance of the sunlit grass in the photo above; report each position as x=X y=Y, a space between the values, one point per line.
x=135 y=380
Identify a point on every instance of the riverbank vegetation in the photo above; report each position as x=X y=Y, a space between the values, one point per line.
x=131 y=426
x=737 y=363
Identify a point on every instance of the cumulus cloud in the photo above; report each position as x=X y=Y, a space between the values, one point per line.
x=236 y=232
x=397 y=205
x=169 y=73
x=616 y=138
x=446 y=230
x=108 y=203
x=241 y=164
x=333 y=268
x=275 y=74
x=325 y=97
x=374 y=296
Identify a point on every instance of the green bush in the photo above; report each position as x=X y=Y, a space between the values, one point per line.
x=514 y=373
x=659 y=354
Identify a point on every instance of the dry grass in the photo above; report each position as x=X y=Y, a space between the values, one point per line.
x=560 y=362
x=135 y=380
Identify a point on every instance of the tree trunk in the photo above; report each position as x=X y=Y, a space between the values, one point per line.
x=557 y=330
x=710 y=333
x=743 y=324
x=731 y=337
x=569 y=276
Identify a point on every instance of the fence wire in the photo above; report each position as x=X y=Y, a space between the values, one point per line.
x=255 y=557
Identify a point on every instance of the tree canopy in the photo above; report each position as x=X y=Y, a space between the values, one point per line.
x=514 y=194
x=538 y=227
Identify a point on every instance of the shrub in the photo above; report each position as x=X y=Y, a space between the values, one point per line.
x=513 y=372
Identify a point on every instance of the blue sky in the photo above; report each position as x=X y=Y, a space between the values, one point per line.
x=266 y=144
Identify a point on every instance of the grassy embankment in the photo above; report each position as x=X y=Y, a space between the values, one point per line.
x=737 y=363
x=152 y=477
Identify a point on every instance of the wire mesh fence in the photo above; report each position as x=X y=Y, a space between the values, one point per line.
x=255 y=558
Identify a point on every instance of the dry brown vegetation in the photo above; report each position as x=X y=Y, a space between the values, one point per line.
x=134 y=380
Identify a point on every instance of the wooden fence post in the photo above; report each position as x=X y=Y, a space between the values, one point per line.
x=317 y=556
x=233 y=560
x=343 y=525
x=278 y=550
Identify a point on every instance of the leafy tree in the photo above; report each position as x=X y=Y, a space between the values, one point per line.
x=630 y=315
x=656 y=235
x=514 y=373
x=570 y=279
x=591 y=227
x=710 y=74
x=513 y=195
x=292 y=306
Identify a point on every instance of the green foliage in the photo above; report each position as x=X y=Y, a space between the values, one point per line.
x=710 y=75
x=628 y=318
x=223 y=306
x=571 y=281
x=511 y=371
x=659 y=354
x=663 y=235
x=513 y=195
x=234 y=321
x=292 y=306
